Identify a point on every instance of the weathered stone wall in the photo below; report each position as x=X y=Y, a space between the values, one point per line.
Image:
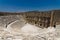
x=34 y=17
x=57 y=17
x=38 y=18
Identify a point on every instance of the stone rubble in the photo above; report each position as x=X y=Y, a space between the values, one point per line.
x=30 y=32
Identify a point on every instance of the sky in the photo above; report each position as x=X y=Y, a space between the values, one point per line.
x=28 y=5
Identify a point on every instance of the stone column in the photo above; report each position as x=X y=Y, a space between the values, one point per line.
x=52 y=19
